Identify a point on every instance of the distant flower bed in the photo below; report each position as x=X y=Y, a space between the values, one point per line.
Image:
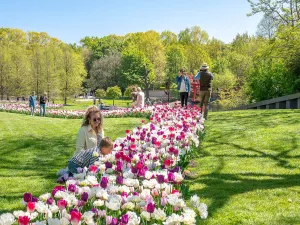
x=141 y=182
x=26 y=104
x=78 y=114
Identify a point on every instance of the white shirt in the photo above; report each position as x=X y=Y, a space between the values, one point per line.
x=182 y=86
x=140 y=101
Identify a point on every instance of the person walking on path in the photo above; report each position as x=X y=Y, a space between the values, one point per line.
x=183 y=86
x=32 y=103
x=43 y=100
x=205 y=78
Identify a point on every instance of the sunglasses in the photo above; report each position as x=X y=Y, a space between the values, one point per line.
x=96 y=119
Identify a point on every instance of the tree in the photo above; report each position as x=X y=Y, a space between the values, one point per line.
x=196 y=55
x=100 y=93
x=176 y=60
x=73 y=72
x=168 y=37
x=266 y=27
x=105 y=72
x=129 y=91
x=147 y=49
x=113 y=93
x=285 y=12
x=136 y=69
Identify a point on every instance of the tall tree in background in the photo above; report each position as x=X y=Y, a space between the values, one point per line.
x=149 y=49
x=176 y=60
x=105 y=72
x=267 y=27
x=285 y=12
x=73 y=72
x=168 y=37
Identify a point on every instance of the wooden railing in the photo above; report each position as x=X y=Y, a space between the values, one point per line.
x=284 y=102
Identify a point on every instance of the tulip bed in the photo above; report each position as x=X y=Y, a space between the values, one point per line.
x=77 y=114
x=141 y=182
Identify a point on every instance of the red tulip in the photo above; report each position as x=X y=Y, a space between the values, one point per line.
x=23 y=220
x=62 y=204
x=30 y=207
x=75 y=217
x=167 y=163
x=93 y=168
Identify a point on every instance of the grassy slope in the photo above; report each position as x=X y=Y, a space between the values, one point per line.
x=33 y=149
x=249 y=171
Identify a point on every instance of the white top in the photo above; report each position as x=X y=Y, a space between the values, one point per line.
x=182 y=86
x=140 y=101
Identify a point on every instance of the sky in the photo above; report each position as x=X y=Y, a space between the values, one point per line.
x=72 y=20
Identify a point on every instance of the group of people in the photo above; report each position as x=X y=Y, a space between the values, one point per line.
x=138 y=97
x=184 y=87
x=42 y=101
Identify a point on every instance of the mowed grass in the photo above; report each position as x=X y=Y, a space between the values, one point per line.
x=248 y=171
x=33 y=149
x=84 y=104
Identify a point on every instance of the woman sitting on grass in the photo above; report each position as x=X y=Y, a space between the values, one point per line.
x=91 y=131
x=88 y=157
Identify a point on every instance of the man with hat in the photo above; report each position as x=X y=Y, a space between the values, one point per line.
x=205 y=78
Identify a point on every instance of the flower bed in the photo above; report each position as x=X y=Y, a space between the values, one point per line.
x=140 y=183
x=78 y=114
x=25 y=104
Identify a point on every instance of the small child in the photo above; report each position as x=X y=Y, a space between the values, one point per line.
x=85 y=158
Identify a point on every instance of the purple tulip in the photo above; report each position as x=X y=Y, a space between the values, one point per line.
x=150 y=207
x=160 y=179
x=84 y=196
x=171 y=177
x=50 y=201
x=27 y=197
x=104 y=182
x=114 y=221
x=119 y=180
x=124 y=219
x=108 y=165
x=72 y=188
x=34 y=199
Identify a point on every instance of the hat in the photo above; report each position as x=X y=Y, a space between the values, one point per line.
x=204 y=66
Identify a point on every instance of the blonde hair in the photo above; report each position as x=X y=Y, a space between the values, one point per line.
x=86 y=120
x=139 y=89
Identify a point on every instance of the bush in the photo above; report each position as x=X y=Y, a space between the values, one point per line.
x=113 y=92
x=128 y=91
x=100 y=93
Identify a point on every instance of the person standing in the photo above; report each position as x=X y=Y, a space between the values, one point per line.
x=32 y=103
x=140 y=100
x=43 y=100
x=134 y=96
x=205 y=78
x=183 y=86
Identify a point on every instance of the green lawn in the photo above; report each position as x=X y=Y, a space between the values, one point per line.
x=248 y=171
x=33 y=149
x=249 y=168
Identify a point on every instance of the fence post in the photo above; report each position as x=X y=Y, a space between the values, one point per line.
x=288 y=104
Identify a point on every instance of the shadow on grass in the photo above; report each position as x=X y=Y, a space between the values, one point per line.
x=220 y=186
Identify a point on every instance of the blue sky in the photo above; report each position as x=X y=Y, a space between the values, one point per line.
x=71 y=20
